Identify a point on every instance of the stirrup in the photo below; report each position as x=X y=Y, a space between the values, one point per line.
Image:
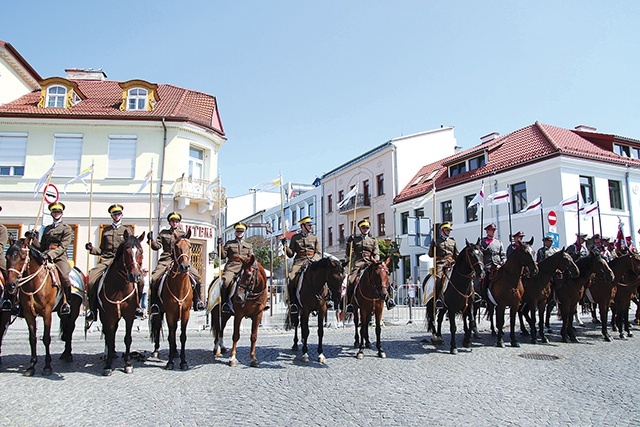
x=225 y=308
x=65 y=309
x=390 y=304
x=155 y=309
x=439 y=304
x=330 y=305
x=91 y=317
x=199 y=306
x=293 y=309
x=7 y=305
x=349 y=308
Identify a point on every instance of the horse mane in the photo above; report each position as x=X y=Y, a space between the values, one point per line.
x=584 y=262
x=321 y=263
x=34 y=253
x=130 y=242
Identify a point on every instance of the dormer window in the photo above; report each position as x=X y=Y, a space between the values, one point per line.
x=56 y=96
x=457 y=169
x=137 y=99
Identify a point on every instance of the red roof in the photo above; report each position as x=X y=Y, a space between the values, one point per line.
x=522 y=147
x=105 y=96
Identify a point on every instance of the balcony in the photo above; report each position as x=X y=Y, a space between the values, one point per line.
x=187 y=190
x=360 y=201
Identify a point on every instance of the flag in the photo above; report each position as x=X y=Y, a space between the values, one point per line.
x=43 y=179
x=147 y=180
x=289 y=192
x=478 y=199
x=269 y=184
x=535 y=205
x=589 y=210
x=620 y=242
x=426 y=197
x=570 y=204
x=348 y=197
x=208 y=192
x=500 y=197
x=80 y=177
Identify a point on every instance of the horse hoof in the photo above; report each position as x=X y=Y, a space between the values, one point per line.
x=169 y=366
x=453 y=351
x=128 y=369
x=630 y=335
x=500 y=344
x=305 y=358
x=466 y=343
x=294 y=347
x=106 y=372
x=66 y=357
x=29 y=372
x=233 y=363
x=47 y=371
x=544 y=340
x=534 y=341
x=574 y=339
x=360 y=355
x=382 y=355
x=367 y=345
x=224 y=350
x=217 y=353
x=515 y=344
x=356 y=344
x=476 y=335
x=254 y=363
x=184 y=366
x=565 y=339
x=622 y=337
x=154 y=354
x=595 y=321
x=321 y=358
x=525 y=333
x=607 y=338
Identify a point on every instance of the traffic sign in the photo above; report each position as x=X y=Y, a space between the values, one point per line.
x=51 y=193
x=552 y=218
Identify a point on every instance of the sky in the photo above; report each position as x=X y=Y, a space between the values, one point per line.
x=305 y=86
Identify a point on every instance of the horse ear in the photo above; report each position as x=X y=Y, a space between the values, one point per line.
x=387 y=261
x=466 y=241
x=12 y=241
x=530 y=242
x=125 y=234
x=478 y=241
x=188 y=235
x=141 y=238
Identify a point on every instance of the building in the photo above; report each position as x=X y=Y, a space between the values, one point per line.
x=538 y=163
x=17 y=76
x=152 y=147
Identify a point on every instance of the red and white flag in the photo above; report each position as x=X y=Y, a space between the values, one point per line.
x=478 y=199
x=570 y=204
x=535 y=205
x=500 y=197
x=589 y=211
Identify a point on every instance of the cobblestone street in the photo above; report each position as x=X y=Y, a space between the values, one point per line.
x=588 y=383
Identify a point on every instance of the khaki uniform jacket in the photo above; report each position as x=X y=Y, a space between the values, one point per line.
x=3 y=242
x=445 y=249
x=232 y=251
x=110 y=240
x=302 y=248
x=165 y=241
x=55 y=240
x=363 y=248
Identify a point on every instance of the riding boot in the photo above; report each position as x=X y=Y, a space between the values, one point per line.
x=197 y=302
x=139 y=312
x=155 y=299
x=224 y=296
x=92 y=299
x=350 y=289
x=65 y=308
x=293 y=300
x=390 y=302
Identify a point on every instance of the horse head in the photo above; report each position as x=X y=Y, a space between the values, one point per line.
x=335 y=277
x=182 y=252
x=248 y=278
x=130 y=255
x=472 y=256
x=380 y=277
x=17 y=261
x=567 y=264
x=599 y=267
x=527 y=255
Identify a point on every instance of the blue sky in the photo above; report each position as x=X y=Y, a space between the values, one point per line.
x=303 y=87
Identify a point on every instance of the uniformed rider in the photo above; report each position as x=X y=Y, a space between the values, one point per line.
x=233 y=250
x=445 y=250
x=546 y=250
x=578 y=249
x=303 y=248
x=166 y=241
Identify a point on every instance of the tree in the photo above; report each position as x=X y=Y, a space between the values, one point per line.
x=262 y=251
x=390 y=248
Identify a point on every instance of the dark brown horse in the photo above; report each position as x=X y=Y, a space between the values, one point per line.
x=569 y=290
x=321 y=281
x=368 y=300
x=117 y=298
x=458 y=296
x=176 y=298
x=68 y=323
x=506 y=289
x=249 y=300
x=627 y=281
x=37 y=283
x=5 y=316
x=537 y=289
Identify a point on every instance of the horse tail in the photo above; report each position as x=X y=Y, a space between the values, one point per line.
x=155 y=326
x=290 y=320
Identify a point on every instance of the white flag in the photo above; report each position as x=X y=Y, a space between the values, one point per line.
x=478 y=199
x=535 y=205
x=570 y=204
x=208 y=192
x=590 y=210
x=147 y=180
x=43 y=179
x=500 y=197
x=348 y=197
x=80 y=177
x=426 y=198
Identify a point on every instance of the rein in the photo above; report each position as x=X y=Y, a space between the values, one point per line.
x=374 y=288
x=23 y=280
x=250 y=294
x=123 y=275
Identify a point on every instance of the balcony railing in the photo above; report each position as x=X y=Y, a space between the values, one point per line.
x=198 y=189
x=360 y=201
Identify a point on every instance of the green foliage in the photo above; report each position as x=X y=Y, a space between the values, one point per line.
x=390 y=248
x=262 y=250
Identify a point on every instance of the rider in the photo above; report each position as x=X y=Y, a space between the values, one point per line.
x=493 y=253
x=165 y=241
x=579 y=248
x=365 y=250
x=303 y=248
x=233 y=250
x=446 y=251
x=517 y=242
x=6 y=302
x=112 y=237
x=546 y=250
x=56 y=238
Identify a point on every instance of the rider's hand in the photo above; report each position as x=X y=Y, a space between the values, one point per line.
x=31 y=234
x=219 y=241
x=88 y=246
x=149 y=237
x=283 y=241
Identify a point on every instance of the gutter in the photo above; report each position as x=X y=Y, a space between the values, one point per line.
x=630 y=203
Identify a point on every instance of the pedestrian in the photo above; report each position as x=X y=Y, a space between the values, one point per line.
x=233 y=250
x=411 y=291
x=145 y=292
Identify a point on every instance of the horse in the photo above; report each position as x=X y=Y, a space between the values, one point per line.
x=38 y=285
x=68 y=323
x=368 y=299
x=569 y=290
x=117 y=298
x=176 y=296
x=506 y=289
x=249 y=300
x=537 y=289
x=458 y=295
x=627 y=282
x=5 y=316
x=321 y=281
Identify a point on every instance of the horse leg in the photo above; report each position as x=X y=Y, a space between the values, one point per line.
x=304 y=332
x=156 y=328
x=547 y=320
x=363 y=330
x=31 y=322
x=594 y=316
x=541 y=313
x=4 y=321
x=128 y=367
x=184 y=322
x=321 y=314
x=522 y=315
x=68 y=326
x=513 y=313
x=499 y=324
x=532 y=323
x=46 y=340
x=437 y=339
x=237 y=320
x=255 y=322
x=378 y=314
x=491 y=310
x=110 y=343
x=625 y=319
x=356 y=322
x=295 y=320
x=476 y=312
x=172 y=324
x=452 y=330
x=604 y=314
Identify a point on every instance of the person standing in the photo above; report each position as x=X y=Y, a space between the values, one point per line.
x=112 y=236
x=233 y=250
x=445 y=249
x=303 y=248
x=166 y=240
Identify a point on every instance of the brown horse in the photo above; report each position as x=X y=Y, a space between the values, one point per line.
x=322 y=281
x=368 y=300
x=627 y=282
x=176 y=297
x=37 y=283
x=506 y=290
x=5 y=316
x=68 y=323
x=569 y=290
x=537 y=289
x=117 y=298
x=249 y=300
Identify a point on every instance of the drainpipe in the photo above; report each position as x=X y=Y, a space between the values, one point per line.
x=630 y=204
x=161 y=174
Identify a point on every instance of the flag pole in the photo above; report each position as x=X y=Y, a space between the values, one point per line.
x=435 y=254
x=482 y=210
x=509 y=214
x=284 y=236
x=353 y=231
x=220 y=243
x=86 y=277
x=150 y=210
x=542 y=216
x=40 y=209
x=578 y=211
x=599 y=217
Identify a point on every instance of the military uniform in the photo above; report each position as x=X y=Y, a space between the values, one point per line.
x=111 y=238
x=302 y=248
x=3 y=242
x=364 y=248
x=545 y=252
x=493 y=253
x=233 y=251
x=577 y=251
x=446 y=252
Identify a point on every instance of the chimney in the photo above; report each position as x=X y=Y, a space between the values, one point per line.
x=85 y=74
x=585 y=128
x=489 y=137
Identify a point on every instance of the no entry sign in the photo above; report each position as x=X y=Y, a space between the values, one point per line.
x=552 y=218
x=51 y=194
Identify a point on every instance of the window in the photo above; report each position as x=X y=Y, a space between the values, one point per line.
x=13 y=151
x=381 y=225
x=340 y=195
x=329 y=203
x=417 y=180
x=137 y=99
x=635 y=153
x=380 y=185
x=615 y=195
x=294 y=216
x=518 y=197
x=477 y=162
x=587 y=190
x=419 y=213
x=446 y=211
x=367 y=194
x=404 y=221
x=341 y=234
x=472 y=212
x=56 y=96
x=622 y=150
x=67 y=152
x=312 y=211
x=457 y=169
x=330 y=235
x=196 y=163
x=122 y=156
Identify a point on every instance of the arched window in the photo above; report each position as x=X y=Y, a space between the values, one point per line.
x=56 y=96
x=137 y=99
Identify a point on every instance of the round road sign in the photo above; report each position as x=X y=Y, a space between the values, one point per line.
x=51 y=194
x=552 y=218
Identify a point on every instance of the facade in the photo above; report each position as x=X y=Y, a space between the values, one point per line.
x=153 y=148
x=379 y=174
x=537 y=161
x=17 y=77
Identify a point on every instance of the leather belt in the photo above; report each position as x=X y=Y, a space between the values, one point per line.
x=233 y=259
x=305 y=253
x=53 y=246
